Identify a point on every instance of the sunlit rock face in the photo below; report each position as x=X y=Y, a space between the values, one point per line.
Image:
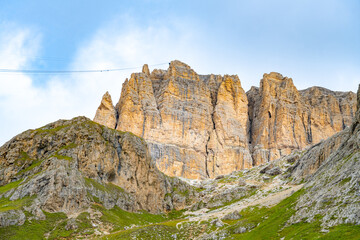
x=283 y=118
x=200 y=126
x=195 y=125
x=106 y=113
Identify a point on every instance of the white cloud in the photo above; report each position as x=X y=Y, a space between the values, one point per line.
x=120 y=44
x=24 y=105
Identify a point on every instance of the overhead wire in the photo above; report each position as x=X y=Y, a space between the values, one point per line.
x=27 y=71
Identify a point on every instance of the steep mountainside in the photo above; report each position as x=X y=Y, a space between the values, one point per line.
x=332 y=172
x=79 y=179
x=200 y=126
x=195 y=125
x=67 y=166
x=284 y=119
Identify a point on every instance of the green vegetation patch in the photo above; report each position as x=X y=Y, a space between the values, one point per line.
x=343 y=231
x=34 y=164
x=266 y=223
x=106 y=187
x=345 y=180
x=51 y=130
x=228 y=180
x=54 y=227
x=165 y=230
x=9 y=186
x=69 y=146
x=119 y=218
x=23 y=159
x=24 y=156
x=6 y=204
x=62 y=157
x=152 y=232
x=270 y=223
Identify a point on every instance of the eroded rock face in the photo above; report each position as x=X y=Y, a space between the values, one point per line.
x=331 y=170
x=284 y=119
x=200 y=126
x=195 y=125
x=106 y=114
x=66 y=163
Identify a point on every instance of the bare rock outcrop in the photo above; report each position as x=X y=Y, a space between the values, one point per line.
x=200 y=126
x=106 y=114
x=284 y=119
x=195 y=125
x=65 y=165
x=332 y=172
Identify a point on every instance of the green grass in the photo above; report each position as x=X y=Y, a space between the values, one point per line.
x=270 y=220
x=62 y=157
x=152 y=232
x=54 y=226
x=345 y=180
x=23 y=159
x=269 y=223
x=37 y=228
x=119 y=218
x=24 y=156
x=7 y=205
x=227 y=180
x=9 y=186
x=51 y=130
x=69 y=146
x=107 y=187
x=84 y=221
x=176 y=214
x=303 y=230
x=32 y=166
x=165 y=230
x=343 y=231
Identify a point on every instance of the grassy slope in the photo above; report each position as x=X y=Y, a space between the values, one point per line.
x=263 y=223
x=55 y=223
x=270 y=223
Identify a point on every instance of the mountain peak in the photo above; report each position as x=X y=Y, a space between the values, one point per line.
x=106 y=114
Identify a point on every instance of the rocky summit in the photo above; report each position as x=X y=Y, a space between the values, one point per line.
x=203 y=126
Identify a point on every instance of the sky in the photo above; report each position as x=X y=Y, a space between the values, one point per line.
x=315 y=42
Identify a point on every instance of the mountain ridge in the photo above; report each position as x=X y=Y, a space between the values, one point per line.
x=200 y=126
x=79 y=179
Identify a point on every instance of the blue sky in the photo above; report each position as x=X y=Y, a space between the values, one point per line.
x=314 y=42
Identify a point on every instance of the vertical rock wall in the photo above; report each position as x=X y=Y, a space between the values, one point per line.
x=283 y=118
x=200 y=126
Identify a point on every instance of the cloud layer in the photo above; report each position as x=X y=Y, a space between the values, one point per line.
x=25 y=104
x=30 y=101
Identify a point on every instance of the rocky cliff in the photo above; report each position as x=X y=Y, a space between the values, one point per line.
x=195 y=125
x=200 y=126
x=331 y=172
x=284 y=119
x=106 y=114
x=67 y=166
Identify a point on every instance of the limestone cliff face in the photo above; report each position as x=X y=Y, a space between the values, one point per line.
x=195 y=125
x=331 y=172
x=283 y=118
x=106 y=114
x=200 y=126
